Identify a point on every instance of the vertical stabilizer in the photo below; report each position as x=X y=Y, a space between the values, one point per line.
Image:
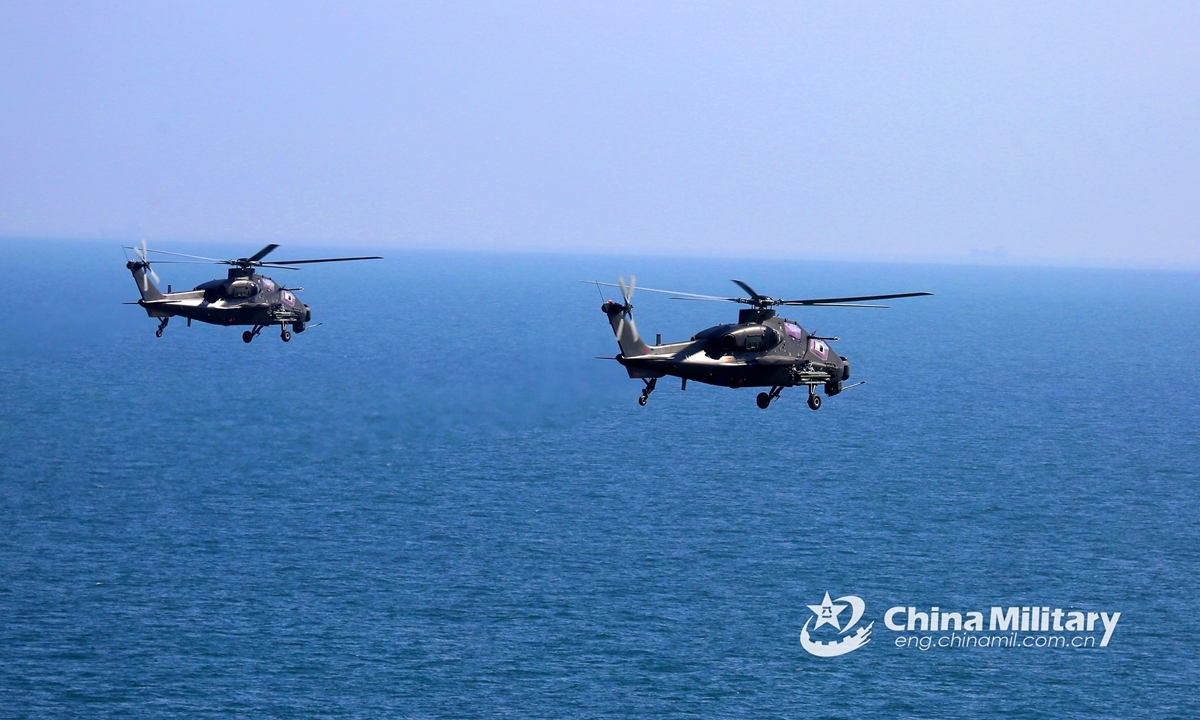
x=142 y=275
x=621 y=319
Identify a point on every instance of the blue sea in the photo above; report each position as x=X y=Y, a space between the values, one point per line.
x=439 y=504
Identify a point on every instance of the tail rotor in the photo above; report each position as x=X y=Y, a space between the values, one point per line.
x=627 y=295
x=141 y=252
x=627 y=292
x=620 y=316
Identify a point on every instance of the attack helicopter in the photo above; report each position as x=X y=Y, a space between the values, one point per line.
x=242 y=298
x=760 y=350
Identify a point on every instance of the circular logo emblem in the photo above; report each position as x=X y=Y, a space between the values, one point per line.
x=827 y=614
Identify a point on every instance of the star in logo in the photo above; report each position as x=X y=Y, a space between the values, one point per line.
x=827 y=612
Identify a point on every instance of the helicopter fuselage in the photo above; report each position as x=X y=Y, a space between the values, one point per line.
x=243 y=298
x=760 y=350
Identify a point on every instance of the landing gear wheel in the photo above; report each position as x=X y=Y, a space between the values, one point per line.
x=285 y=336
x=158 y=332
x=247 y=336
x=764 y=400
x=814 y=401
x=648 y=389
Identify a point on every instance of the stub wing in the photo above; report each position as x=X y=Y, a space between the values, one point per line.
x=776 y=360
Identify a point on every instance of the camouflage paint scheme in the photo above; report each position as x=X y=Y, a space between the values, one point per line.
x=243 y=298
x=760 y=350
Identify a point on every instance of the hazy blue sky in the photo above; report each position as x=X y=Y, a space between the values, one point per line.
x=1058 y=132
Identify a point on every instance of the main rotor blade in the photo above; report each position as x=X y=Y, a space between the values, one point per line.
x=743 y=301
x=685 y=296
x=844 y=300
x=275 y=265
x=324 y=260
x=747 y=288
x=194 y=257
x=262 y=253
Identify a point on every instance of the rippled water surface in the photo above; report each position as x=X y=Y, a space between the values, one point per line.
x=439 y=504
